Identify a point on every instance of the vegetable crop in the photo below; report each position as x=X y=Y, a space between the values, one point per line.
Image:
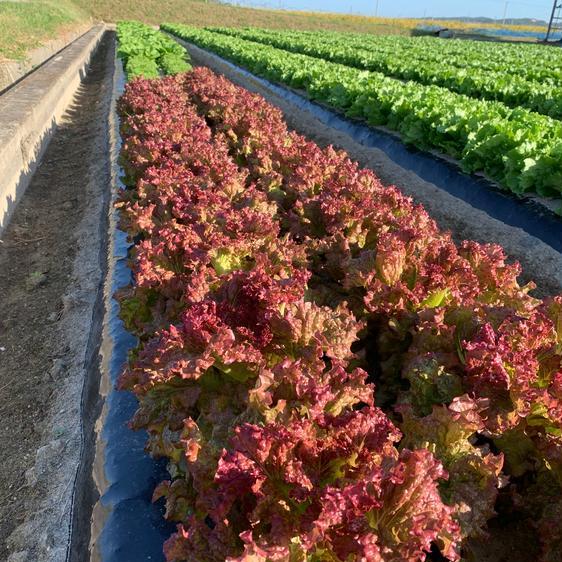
x=424 y=62
x=519 y=149
x=147 y=52
x=276 y=283
x=532 y=61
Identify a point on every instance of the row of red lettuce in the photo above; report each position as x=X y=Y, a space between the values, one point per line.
x=275 y=283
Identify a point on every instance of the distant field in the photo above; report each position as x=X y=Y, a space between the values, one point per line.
x=210 y=13
x=28 y=24
x=201 y=13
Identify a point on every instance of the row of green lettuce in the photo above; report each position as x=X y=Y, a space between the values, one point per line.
x=149 y=53
x=519 y=149
x=531 y=61
x=424 y=63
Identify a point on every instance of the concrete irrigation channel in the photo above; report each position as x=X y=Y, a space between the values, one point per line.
x=75 y=483
x=54 y=131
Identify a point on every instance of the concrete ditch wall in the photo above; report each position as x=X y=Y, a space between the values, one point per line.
x=29 y=112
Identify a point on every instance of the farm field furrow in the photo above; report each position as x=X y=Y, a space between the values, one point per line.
x=274 y=283
x=519 y=149
x=424 y=62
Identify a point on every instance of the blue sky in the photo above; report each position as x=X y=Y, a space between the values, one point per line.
x=418 y=8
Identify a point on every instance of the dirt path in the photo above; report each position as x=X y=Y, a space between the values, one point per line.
x=52 y=260
x=540 y=262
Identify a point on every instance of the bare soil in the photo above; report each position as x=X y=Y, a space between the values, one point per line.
x=51 y=268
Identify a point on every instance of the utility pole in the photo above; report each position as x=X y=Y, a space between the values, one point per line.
x=505 y=11
x=554 y=23
x=376 y=8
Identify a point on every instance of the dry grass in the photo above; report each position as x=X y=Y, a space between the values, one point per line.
x=201 y=13
x=212 y=13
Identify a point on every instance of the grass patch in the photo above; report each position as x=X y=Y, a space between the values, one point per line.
x=27 y=24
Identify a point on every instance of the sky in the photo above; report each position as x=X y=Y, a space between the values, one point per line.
x=539 y=9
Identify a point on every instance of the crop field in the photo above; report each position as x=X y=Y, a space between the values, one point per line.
x=268 y=337
x=519 y=148
x=275 y=288
x=515 y=75
x=148 y=53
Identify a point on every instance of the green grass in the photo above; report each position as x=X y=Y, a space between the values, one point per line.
x=25 y=25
